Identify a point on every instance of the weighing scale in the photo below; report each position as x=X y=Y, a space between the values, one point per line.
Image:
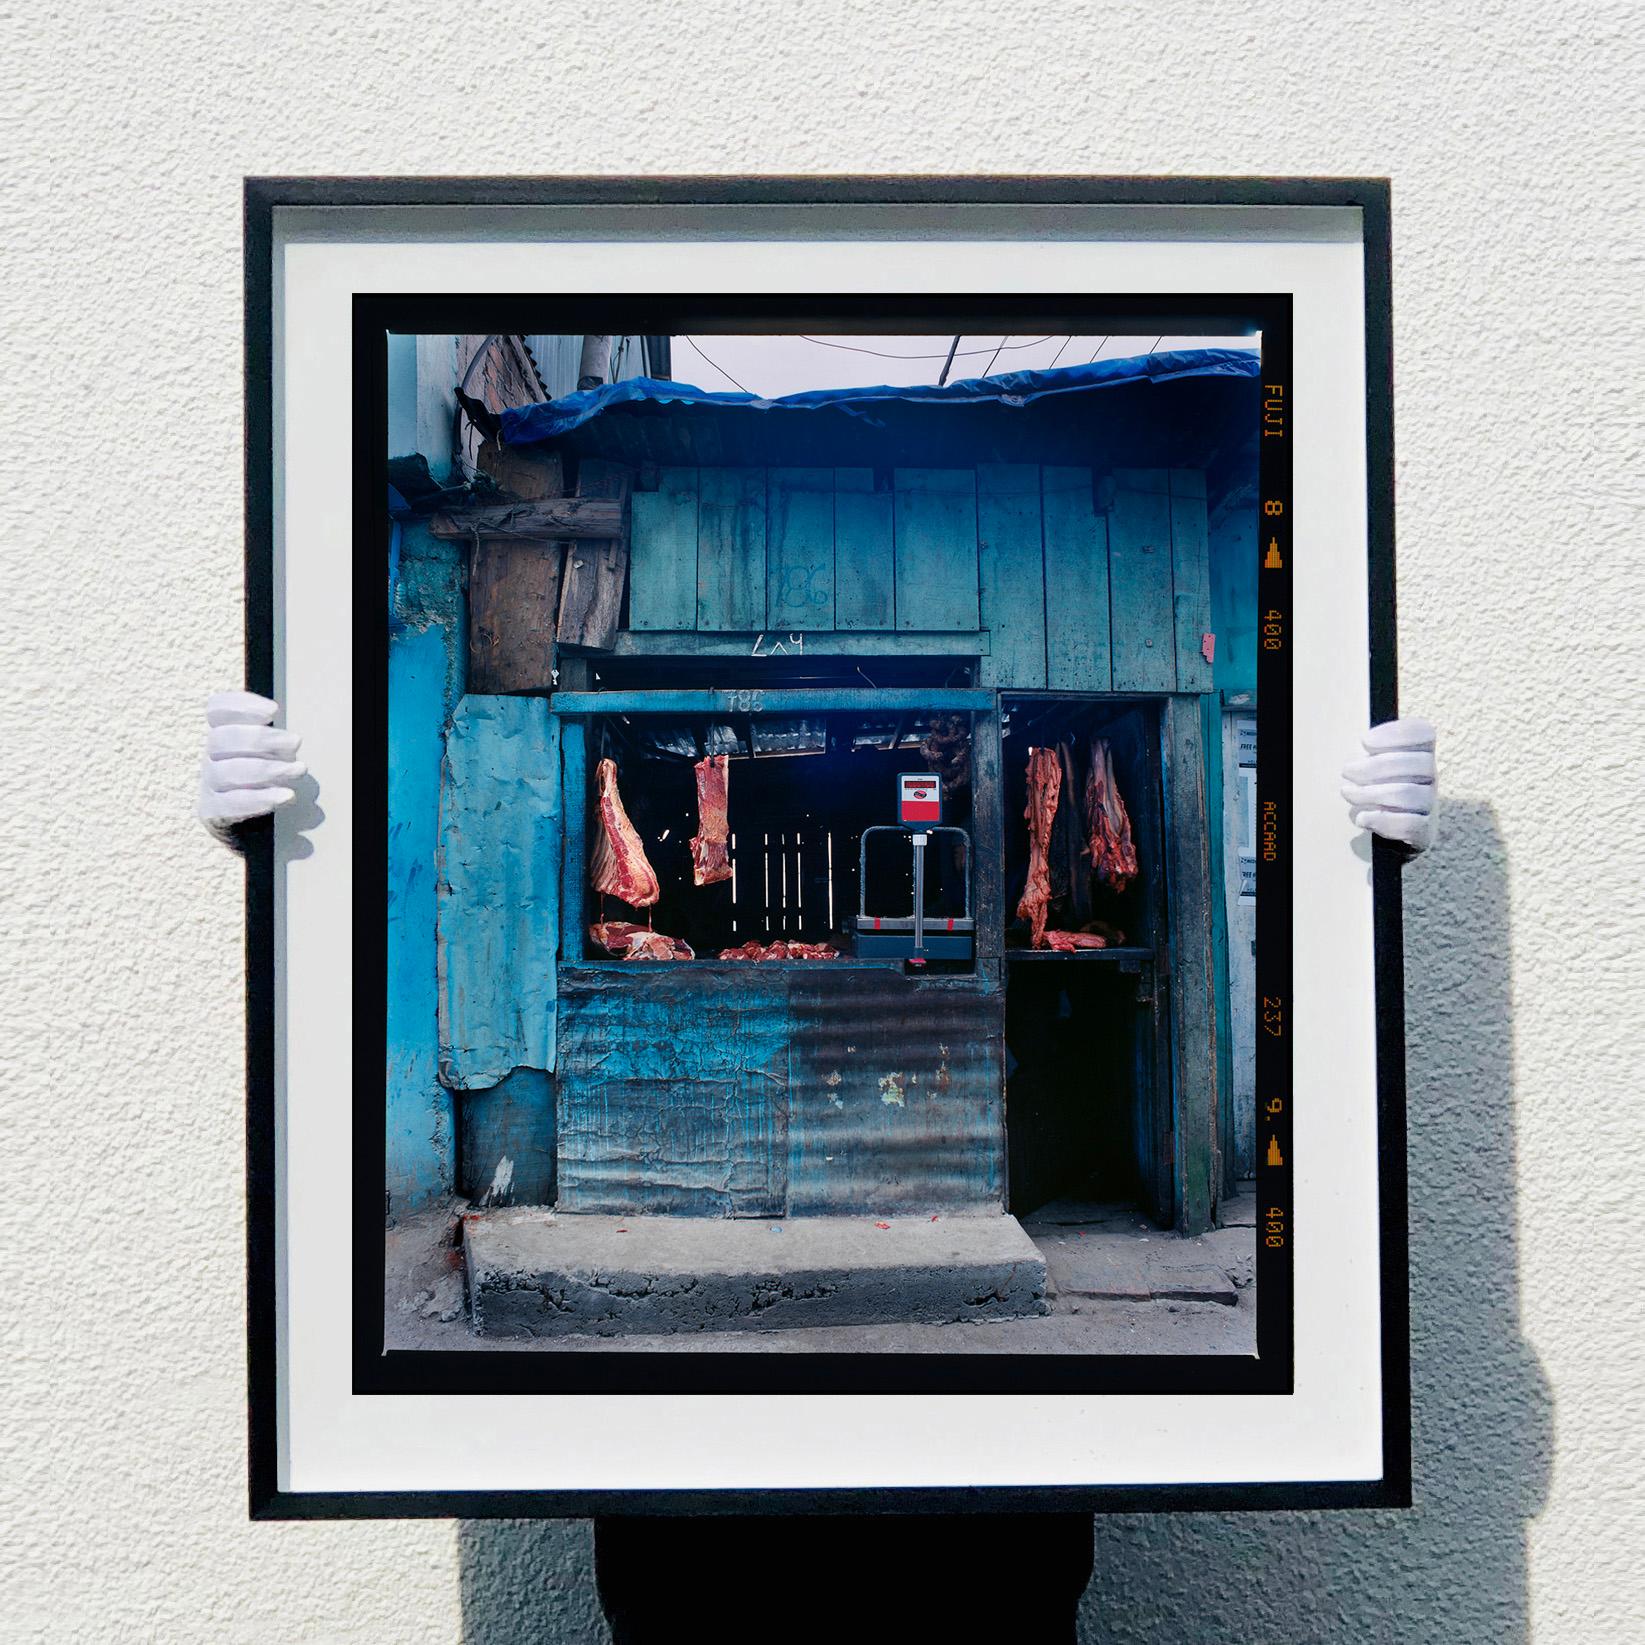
x=915 y=936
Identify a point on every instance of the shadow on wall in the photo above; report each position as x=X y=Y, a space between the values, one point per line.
x=1454 y=1566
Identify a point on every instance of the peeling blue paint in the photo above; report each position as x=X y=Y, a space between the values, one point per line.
x=498 y=924
x=425 y=664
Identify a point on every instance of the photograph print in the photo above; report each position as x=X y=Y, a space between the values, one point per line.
x=821 y=838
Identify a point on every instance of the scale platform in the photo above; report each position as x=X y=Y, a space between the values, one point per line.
x=915 y=936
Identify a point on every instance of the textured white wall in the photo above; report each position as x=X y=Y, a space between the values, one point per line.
x=1505 y=127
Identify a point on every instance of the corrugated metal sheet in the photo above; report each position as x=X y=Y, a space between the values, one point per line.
x=895 y=1100
x=760 y=1091
x=1180 y=409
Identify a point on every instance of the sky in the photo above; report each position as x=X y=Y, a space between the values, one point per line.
x=773 y=366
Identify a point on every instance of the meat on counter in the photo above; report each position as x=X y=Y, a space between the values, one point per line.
x=781 y=949
x=624 y=940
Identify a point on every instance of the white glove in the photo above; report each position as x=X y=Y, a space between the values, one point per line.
x=247 y=764
x=1394 y=790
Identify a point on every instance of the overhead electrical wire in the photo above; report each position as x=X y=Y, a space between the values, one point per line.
x=884 y=354
x=719 y=368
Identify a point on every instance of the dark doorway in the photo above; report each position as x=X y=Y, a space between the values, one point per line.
x=1087 y=1069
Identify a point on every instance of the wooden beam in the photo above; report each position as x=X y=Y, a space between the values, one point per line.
x=1193 y=987
x=743 y=702
x=549 y=517
x=690 y=642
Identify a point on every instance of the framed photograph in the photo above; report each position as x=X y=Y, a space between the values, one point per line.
x=823 y=883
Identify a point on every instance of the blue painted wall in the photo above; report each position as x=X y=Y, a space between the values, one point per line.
x=1233 y=535
x=426 y=660
x=499 y=902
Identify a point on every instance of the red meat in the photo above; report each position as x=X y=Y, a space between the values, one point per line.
x=1044 y=788
x=620 y=868
x=710 y=860
x=1108 y=826
x=781 y=949
x=1066 y=942
x=626 y=941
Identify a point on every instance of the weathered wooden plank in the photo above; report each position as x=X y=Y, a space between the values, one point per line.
x=1141 y=619
x=1077 y=634
x=799 y=549
x=864 y=560
x=730 y=548
x=1193 y=987
x=513 y=609
x=584 y=516
x=988 y=845
x=935 y=518
x=1011 y=565
x=1191 y=580
x=591 y=589
x=498 y=890
x=574 y=828
x=527 y=472
x=662 y=567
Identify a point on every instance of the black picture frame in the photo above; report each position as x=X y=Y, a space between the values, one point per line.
x=263 y=197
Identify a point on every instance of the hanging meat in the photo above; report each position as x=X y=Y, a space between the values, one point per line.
x=624 y=940
x=1108 y=827
x=1044 y=787
x=1070 y=872
x=710 y=860
x=947 y=751
x=620 y=868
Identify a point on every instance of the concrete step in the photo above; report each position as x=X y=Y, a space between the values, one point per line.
x=1130 y=1260
x=541 y=1273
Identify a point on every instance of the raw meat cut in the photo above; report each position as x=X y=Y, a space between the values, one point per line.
x=1044 y=787
x=1070 y=872
x=1065 y=942
x=1108 y=827
x=947 y=751
x=626 y=941
x=620 y=868
x=710 y=860
x=653 y=945
x=781 y=949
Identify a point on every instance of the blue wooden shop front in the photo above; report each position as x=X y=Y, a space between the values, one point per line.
x=1009 y=591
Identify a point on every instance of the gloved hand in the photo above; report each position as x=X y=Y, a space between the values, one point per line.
x=247 y=765
x=1394 y=790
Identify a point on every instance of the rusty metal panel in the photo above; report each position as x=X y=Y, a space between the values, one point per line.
x=673 y=1093
x=895 y=1095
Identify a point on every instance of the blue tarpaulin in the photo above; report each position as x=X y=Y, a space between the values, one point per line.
x=554 y=419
